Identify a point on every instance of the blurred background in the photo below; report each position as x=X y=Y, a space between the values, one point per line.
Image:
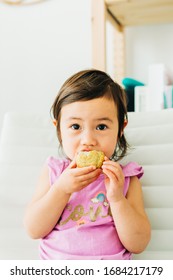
x=42 y=44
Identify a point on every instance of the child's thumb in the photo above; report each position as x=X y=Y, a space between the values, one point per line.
x=72 y=164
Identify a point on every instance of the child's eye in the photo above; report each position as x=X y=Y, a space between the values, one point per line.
x=75 y=126
x=101 y=127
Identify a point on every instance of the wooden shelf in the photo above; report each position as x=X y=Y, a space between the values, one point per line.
x=123 y=13
x=139 y=12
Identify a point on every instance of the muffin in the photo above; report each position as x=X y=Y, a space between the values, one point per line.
x=90 y=158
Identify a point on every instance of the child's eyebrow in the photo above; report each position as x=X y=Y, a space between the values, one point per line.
x=73 y=118
x=97 y=119
x=104 y=119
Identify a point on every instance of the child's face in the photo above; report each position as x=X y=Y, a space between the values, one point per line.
x=89 y=125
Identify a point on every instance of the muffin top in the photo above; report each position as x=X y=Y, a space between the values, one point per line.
x=90 y=158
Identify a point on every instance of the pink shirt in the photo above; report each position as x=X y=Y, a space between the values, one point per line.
x=86 y=229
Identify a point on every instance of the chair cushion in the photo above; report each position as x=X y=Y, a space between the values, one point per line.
x=27 y=139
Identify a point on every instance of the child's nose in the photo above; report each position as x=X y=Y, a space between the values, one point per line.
x=88 y=138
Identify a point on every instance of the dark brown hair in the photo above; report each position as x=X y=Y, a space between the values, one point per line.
x=91 y=84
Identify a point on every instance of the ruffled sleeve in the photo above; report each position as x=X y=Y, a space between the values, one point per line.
x=56 y=167
x=130 y=170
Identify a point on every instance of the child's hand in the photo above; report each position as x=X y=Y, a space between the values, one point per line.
x=74 y=179
x=114 y=180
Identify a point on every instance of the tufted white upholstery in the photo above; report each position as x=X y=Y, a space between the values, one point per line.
x=27 y=139
x=151 y=135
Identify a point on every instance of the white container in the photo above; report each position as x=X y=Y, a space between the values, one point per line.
x=158 y=78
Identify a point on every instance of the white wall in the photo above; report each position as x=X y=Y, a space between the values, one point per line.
x=40 y=46
x=146 y=45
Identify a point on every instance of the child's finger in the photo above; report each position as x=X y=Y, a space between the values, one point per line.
x=85 y=170
x=110 y=174
x=89 y=178
x=112 y=164
x=106 y=158
x=72 y=164
x=90 y=175
x=113 y=168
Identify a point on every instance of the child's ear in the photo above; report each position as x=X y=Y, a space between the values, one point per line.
x=124 y=125
x=59 y=133
x=54 y=122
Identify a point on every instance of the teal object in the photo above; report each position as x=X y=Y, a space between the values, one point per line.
x=129 y=87
x=101 y=197
x=165 y=101
x=130 y=83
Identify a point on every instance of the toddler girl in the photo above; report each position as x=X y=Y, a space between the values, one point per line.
x=89 y=213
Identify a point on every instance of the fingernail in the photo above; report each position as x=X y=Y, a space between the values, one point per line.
x=93 y=167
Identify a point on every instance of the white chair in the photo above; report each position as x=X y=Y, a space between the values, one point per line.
x=151 y=137
x=28 y=139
